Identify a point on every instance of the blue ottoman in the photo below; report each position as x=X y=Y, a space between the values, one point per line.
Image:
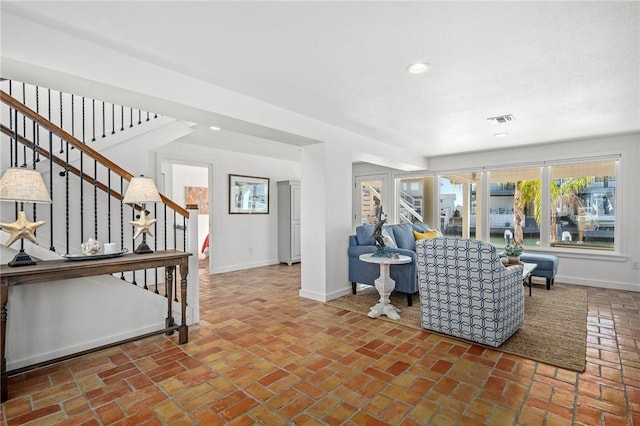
x=547 y=266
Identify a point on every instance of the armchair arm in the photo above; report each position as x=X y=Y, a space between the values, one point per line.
x=356 y=251
x=412 y=254
x=512 y=270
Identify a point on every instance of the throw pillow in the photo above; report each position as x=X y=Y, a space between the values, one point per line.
x=388 y=240
x=425 y=235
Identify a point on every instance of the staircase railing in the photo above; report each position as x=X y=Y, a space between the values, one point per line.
x=408 y=213
x=88 y=120
x=87 y=192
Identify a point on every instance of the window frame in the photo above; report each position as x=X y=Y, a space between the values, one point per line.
x=545 y=180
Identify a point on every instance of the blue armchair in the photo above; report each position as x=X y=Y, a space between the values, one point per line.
x=401 y=236
x=465 y=291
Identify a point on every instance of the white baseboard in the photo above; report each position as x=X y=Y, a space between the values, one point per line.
x=319 y=297
x=614 y=285
x=60 y=352
x=242 y=266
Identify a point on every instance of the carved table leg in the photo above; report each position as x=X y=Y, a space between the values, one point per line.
x=4 y=296
x=184 y=329
x=168 y=282
x=385 y=285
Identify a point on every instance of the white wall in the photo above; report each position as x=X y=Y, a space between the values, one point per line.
x=63 y=317
x=239 y=241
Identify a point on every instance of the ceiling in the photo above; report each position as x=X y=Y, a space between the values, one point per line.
x=564 y=70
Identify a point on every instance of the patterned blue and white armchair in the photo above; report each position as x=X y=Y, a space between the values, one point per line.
x=466 y=292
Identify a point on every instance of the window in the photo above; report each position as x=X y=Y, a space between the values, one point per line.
x=411 y=200
x=583 y=205
x=509 y=217
x=458 y=209
x=573 y=203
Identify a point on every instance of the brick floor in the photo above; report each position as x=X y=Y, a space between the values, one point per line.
x=263 y=355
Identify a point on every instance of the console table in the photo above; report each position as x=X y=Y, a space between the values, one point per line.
x=46 y=271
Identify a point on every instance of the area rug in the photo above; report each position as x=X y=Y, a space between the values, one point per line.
x=554 y=330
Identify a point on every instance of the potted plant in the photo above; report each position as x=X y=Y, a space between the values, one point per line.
x=513 y=252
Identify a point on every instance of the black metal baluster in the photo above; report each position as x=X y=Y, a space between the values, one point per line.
x=147 y=115
x=93 y=119
x=15 y=140
x=11 y=142
x=165 y=226
x=103 y=121
x=95 y=198
x=175 y=283
x=73 y=118
x=133 y=240
x=11 y=126
x=38 y=129
x=175 y=231
x=73 y=115
x=184 y=233
x=121 y=219
x=82 y=197
x=155 y=227
x=61 y=140
x=51 y=247
x=33 y=159
x=139 y=117
x=24 y=127
x=113 y=119
x=121 y=118
x=130 y=117
x=15 y=160
x=109 y=205
x=84 y=120
x=67 y=197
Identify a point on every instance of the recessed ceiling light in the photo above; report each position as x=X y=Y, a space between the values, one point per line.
x=500 y=135
x=214 y=128
x=418 y=68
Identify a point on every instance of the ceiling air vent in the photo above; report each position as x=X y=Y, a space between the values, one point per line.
x=500 y=119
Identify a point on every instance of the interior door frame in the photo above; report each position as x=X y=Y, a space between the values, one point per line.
x=165 y=184
x=385 y=193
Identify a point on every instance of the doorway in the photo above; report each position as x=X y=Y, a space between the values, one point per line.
x=190 y=184
x=370 y=192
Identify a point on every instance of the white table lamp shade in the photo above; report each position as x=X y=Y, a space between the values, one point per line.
x=141 y=190
x=23 y=185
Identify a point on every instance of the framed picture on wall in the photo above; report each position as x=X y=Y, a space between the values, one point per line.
x=248 y=195
x=197 y=195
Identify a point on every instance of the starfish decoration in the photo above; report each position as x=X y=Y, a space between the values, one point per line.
x=20 y=229
x=143 y=224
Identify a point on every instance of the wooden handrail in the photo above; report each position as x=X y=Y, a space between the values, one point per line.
x=60 y=162
x=90 y=152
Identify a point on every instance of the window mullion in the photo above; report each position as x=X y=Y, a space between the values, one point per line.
x=545 y=206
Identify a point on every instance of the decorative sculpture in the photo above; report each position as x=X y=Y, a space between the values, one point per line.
x=381 y=218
